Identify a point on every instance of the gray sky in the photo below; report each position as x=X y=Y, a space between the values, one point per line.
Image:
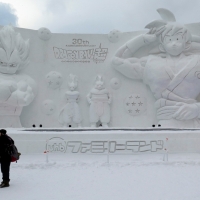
x=93 y=16
x=7 y=15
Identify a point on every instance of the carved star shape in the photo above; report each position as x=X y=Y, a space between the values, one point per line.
x=137 y=111
x=130 y=111
x=140 y=104
x=137 y=97
x=130 y=97
x=133 y=103
x=50 y=82
x=127 y=104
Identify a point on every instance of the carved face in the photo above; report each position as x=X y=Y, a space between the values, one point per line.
x=174 y=44
x=72 y=86
x=9 y=65
x=99 y=85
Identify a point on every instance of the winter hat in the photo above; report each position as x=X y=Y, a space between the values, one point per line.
x=3 y=131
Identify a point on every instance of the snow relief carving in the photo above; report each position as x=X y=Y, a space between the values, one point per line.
x=44 y=34
x=169 y=69
x=135 y=104
x=16 y=89
x=54 y=80
x=48 y=107
x=71 y=112
x=99 y=99
x=114 y=36
x=115 y=83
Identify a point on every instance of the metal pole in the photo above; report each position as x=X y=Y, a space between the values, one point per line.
x=108 y=152
x=165 y=157
x=47 y=156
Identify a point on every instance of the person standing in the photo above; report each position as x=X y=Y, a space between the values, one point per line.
x=5 y=159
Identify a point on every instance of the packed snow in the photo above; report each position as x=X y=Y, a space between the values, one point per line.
x=89 y=177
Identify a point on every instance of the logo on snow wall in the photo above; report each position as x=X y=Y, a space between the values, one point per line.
x=97 y=55
x=56 y=144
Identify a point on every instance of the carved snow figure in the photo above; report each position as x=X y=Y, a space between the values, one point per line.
x=170 y=73
x=16 y=89
x=71 y=111
x=99 y=99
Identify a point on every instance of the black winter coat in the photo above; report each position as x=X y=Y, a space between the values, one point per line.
x=5 y=142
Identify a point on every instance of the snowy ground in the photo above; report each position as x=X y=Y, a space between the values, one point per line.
x=136 y=177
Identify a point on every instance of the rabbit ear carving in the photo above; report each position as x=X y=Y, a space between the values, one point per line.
x=73 y=78
x=99 y=78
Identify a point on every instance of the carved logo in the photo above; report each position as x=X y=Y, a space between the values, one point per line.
x=56 y=144
x=97 y=55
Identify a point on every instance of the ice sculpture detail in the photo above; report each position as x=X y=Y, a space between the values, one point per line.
x=44 y=34
x=169 y=69
x=48 y=107
x=135 y=104
x=16 y=89
x=54 y=80
x=115 y=83
x=99 y=99
x=71 y=111
x=114 y=36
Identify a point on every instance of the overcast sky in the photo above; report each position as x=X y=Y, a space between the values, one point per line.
x=93 y=16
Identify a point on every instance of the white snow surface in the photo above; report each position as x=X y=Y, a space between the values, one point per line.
x=89 y=177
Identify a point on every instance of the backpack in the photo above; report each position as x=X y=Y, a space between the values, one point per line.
x=13 y=151
x=14 y=154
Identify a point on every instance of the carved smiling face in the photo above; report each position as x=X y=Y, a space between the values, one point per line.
x=9 y=65
x=174 y=44
x=174 y=39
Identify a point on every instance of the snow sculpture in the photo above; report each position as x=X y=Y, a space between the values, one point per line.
x=71 y=111
x=114 y=36
x=54 y=79
x=170 y=69
x=48 y=107
x=99 y=99
x=135 y=104
x=115 y=83
x=16 y=89
x=44 y=34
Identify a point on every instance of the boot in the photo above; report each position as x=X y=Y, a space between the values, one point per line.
x=4 y=183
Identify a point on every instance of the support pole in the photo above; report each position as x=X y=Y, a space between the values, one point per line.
x=165 y=156
x=108 y=152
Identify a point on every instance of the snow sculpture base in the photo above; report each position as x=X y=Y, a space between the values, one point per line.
x=104 y=141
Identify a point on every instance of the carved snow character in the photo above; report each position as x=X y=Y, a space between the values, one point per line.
x=16 y=89
x=70 y=111
x=99 y=99
x=170 y=69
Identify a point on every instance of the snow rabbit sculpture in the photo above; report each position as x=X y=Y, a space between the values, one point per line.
x=99 y=99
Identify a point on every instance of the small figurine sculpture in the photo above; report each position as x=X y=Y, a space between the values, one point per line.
x=71 y=111
x=168 y=70
x=16 y=89
x=99 y=99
